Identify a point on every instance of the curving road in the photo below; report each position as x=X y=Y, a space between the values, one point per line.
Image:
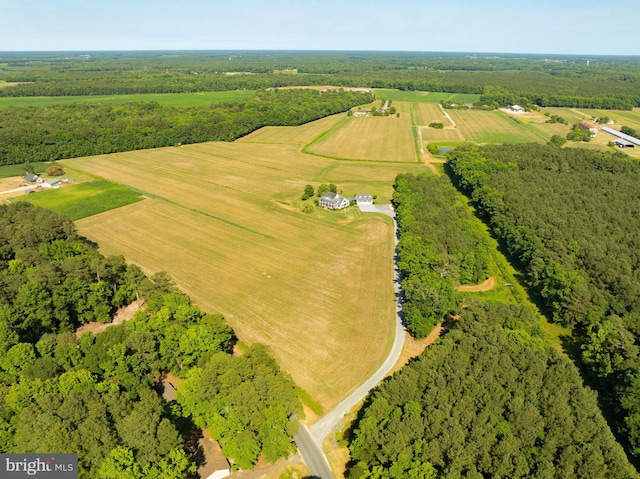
x=310 y=442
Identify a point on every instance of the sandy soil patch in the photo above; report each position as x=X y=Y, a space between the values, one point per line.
x=123 y=314
x=486 y=285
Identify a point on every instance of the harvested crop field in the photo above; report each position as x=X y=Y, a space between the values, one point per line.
x=370 y=138
x=222 y=219
x=292 y=135
x=425 y=113
x=447 y=134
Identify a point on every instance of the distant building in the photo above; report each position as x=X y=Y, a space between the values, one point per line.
x=31 y=178
x=628 y=138
x=364 y=199
x=620 y=143
x=333 y=201
x=588 y=126
x=516 y=109
x=53 y=183
x=361 y=112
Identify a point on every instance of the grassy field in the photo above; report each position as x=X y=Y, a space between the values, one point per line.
x=425 y=113
x=425 y=97
x=370 y=138
x=84 y=199
x=7 y=171
x=168 y=99
x=492 y=127
x=223 y=220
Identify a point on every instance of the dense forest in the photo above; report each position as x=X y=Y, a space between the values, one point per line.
x=93 y=395
x=439 y=248
x=552 y=80
x=569 y=218
x=67 y=131
x=491 y=399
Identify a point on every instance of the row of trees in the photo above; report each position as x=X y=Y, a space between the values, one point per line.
x=66 y=131
x=440 y=247
x=608 y=83
x=569 y=218
x=92 y=395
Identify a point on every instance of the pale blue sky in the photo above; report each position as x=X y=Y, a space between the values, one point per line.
x=508 y=26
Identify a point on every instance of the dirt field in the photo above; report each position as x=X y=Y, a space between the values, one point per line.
x=311 y=286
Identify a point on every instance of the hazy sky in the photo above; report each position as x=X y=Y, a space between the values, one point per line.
x=508 y=26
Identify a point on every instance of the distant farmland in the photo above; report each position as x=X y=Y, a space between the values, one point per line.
x=370 y=138
x=168 y=99
x=222 y=219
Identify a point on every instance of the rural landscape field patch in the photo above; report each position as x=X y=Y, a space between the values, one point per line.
x=222 y=219
x=371 y=138
x=491 y=127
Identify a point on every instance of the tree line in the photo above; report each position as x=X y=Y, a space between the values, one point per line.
x=569 y=219
x=609 y=82
x=93 y=395
x=440 y=247
x=67 y=131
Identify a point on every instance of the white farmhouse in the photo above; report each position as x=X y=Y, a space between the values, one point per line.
x=333 y=201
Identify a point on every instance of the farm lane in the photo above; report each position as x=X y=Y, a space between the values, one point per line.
x=329 y=421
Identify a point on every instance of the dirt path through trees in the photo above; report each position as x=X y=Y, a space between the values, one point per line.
x=487 y=285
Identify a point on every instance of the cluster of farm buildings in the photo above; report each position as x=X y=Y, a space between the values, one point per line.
x=334 y=201
x=622 y=140
x=39 y=182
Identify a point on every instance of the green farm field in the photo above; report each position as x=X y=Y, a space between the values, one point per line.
x=492 y=127
x=84 y=199
x=370 y=138
x=168 y=99
x=223 y=220
x=425 y=97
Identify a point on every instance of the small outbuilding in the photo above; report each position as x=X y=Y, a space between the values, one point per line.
x=516 y=109
x=215 y=465
x=333 y=201
x=588 y=126
x=364 y=199
x=31 y=178
x=53 y=183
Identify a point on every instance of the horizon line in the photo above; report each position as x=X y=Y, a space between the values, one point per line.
x=256 y=50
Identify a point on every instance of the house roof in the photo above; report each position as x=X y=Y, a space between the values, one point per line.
x=31 y=177
x=213 y=457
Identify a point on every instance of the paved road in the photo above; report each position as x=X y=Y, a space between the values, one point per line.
x=313 y=457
